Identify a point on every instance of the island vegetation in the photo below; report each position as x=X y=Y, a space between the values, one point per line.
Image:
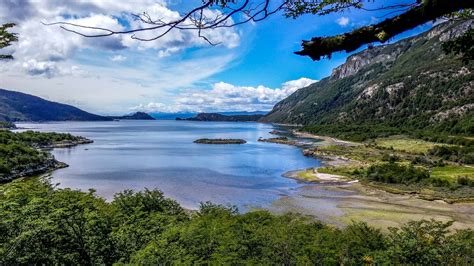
x=7 y=125
x=220 y=141
x=23 y=154
x=40 y=223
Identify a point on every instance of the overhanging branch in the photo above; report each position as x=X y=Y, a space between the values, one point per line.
x=429 y=10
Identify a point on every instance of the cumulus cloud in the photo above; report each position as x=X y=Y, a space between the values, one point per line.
x=227 y=97
x=343 y=21
x=49 y=46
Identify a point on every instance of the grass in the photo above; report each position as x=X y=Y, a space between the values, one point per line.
x=307 y=175
x=451 y=172
x=414 y=146
x=361 y=153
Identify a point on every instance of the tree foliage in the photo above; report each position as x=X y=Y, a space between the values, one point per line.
x=41 y=224
x=6 y=39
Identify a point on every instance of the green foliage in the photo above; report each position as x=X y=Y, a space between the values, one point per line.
x=19 y=153
x=463 y=46
x=41 y=224
x=6 y=125
x=396 y=173
x=6 y=38
x=428 y=243
x=464 y=154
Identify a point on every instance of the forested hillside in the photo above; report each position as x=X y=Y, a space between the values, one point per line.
x=16 y=106
x=405 y=87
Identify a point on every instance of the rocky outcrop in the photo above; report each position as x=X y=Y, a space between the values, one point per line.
x=380 y=54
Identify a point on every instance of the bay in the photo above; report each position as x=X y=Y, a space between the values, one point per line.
x=161 y=155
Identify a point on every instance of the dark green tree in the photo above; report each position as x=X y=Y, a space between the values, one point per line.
x=6 y=39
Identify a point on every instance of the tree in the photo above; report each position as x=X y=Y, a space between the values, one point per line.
x=6 y=39
x=213 y=14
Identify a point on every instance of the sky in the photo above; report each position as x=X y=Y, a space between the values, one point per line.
x=251 y=69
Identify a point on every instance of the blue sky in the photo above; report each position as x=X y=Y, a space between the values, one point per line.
x=252 y=70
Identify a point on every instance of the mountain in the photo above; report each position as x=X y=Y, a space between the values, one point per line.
x=183 y=116
x=134 y=116
x=401 y=87
x=17 y=106
x=223 y=118
x=171 y=116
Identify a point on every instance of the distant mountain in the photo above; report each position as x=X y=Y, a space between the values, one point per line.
x=405 y=86
x=173 y=116
x=244 y=113
x=134 y=116
x=17 y=106
x=223 y=118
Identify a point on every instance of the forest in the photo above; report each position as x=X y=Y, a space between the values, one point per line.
x=42 y=224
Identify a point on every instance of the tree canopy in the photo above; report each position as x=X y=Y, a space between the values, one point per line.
x=231 y=13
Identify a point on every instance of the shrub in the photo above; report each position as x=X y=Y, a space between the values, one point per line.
x=396 y=173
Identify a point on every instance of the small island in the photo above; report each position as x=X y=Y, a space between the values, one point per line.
x=220 y=141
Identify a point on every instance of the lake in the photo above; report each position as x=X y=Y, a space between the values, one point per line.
x=161 y=154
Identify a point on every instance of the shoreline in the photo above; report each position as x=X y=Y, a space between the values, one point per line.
x=339 y=200
x=51 y=164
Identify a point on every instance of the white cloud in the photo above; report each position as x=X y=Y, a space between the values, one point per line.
x=48 y=46
x=118 y=58
x=343 y=21
x=227 y=97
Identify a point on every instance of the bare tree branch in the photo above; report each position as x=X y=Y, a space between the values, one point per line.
x=215 y=14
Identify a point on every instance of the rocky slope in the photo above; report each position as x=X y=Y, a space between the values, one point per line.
x=410 y=84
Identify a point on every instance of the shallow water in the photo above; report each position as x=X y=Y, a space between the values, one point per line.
x=161 y=154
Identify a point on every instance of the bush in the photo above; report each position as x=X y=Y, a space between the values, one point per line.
x=465 y=181
x=396 y=173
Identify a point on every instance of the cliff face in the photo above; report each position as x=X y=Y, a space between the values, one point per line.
x=388 y=53
x=411 y=83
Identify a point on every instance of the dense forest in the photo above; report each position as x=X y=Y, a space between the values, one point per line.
x=40 y=224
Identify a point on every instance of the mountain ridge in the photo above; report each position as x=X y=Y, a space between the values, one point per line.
x=411 y=84
x=17 y=106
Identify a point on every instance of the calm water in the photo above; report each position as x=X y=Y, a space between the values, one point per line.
x=161 y=154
